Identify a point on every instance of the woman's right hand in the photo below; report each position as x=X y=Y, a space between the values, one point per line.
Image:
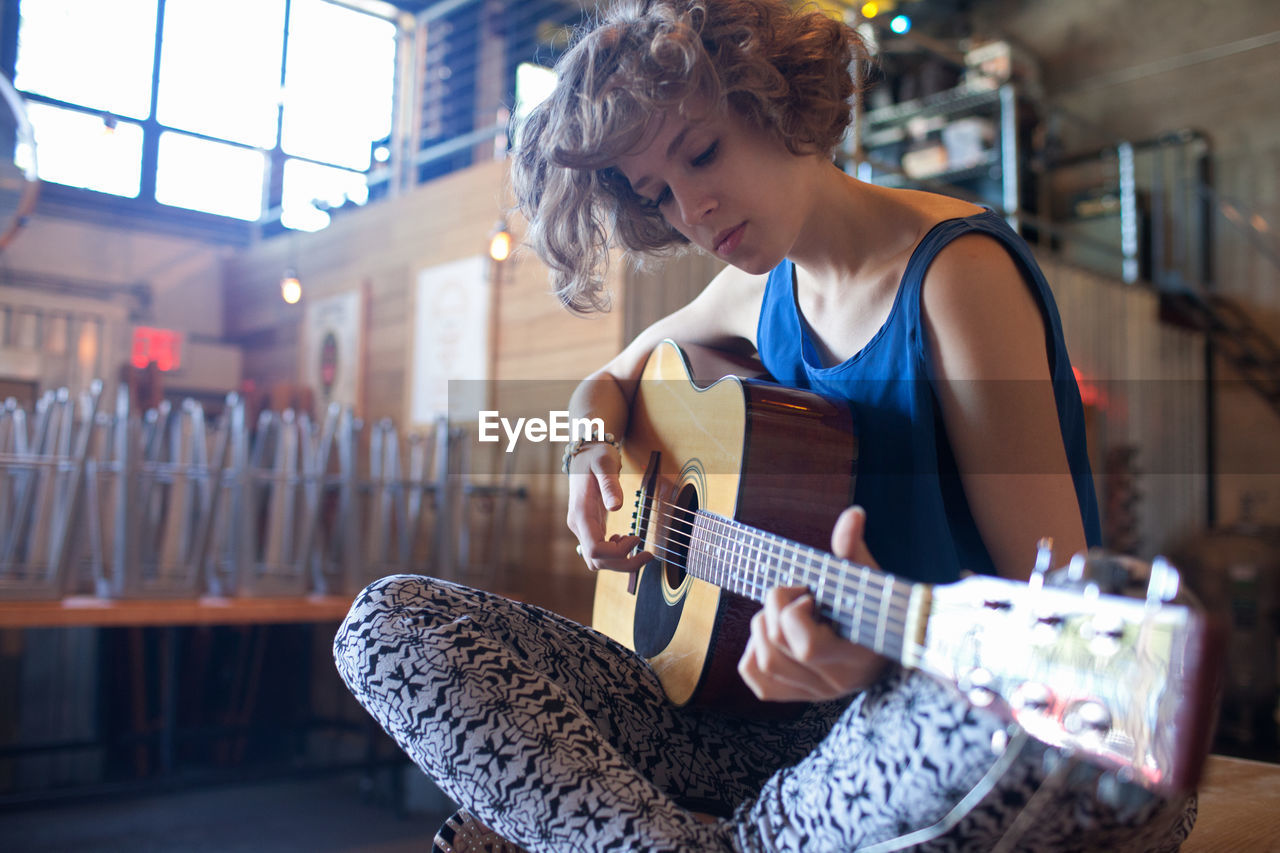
x=594 y=492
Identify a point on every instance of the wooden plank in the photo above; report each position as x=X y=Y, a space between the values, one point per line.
x=1237 y=808
x=102 y=612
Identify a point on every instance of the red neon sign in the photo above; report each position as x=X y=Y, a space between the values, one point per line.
x=163 y=346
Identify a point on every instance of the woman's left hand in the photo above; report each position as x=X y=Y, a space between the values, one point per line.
x=791 y=656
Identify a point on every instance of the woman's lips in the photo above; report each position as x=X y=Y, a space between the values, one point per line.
x=728 y=240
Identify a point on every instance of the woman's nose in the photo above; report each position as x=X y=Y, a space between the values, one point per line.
x=694 y=204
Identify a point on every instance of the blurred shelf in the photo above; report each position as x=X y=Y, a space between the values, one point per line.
x=941 y=103
x=989 y=167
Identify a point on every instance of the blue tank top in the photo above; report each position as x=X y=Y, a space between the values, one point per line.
x=919 y=524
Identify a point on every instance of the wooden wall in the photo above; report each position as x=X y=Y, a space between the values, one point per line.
x=101 y=264
x=540 y=350
x=1144 y=381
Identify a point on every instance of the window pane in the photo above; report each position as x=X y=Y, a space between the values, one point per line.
x=534 y=84
x=220 y=68
x=81 y=150
x=339 y=83
x=210 y=176
x=305 y=184
x=88 y=52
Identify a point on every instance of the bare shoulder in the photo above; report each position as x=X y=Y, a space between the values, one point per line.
x=981 y=316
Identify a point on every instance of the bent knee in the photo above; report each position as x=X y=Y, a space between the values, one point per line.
x=390 y=609
x=394 y=601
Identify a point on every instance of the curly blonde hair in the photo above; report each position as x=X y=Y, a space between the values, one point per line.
x=787 y=72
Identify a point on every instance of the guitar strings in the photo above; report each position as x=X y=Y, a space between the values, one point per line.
x=799 y=552
x=863 y=632
x=869 y=631
x=808 y=553
x=864 y=629
x=793 y=560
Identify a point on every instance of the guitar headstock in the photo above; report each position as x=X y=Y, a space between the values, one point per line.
x=1128 y=683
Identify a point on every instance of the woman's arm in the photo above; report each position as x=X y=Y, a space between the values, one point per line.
x=723 y=315
x=987 y=340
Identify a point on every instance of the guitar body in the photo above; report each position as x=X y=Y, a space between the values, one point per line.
x=766 y=455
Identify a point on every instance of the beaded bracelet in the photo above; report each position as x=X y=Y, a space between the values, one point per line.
x=580 y=444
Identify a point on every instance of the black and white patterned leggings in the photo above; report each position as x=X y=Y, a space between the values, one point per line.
x=561 y=739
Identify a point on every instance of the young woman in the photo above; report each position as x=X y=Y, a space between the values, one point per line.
x=711 y=123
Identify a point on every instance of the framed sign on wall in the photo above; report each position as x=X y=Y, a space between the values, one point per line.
x=332 y=347
x=451 y=336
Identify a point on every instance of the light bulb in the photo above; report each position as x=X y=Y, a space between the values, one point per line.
x=500 y=245
x=290 y=288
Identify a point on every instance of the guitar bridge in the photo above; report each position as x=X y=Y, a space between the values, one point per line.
x=644 y=509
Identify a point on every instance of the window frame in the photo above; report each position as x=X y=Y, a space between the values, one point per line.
x=144 y=211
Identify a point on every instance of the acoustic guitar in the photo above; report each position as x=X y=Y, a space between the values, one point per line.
x=737 y=485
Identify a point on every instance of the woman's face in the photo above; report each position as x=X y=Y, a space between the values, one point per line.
x=727 y=187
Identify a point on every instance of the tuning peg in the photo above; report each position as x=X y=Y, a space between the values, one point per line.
x=1044 y=555
x=1164 y=582
x=999 y=741
x=1087 y=716
x=1076 y=568
x=1044 y=561
x=977 y=685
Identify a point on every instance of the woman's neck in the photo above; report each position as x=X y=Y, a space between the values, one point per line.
x=852 y=232
x=858 y=232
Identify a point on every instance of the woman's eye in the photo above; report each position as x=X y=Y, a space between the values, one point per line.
x=708 y=155
x=655 y=203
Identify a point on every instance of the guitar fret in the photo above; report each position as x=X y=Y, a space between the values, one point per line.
x=903 y=597
x=737 y=555
x=727 y=550
x=758 y=560
x=772 y=562
x=882 y=622
x=835 y=595
x=725 y=557
x=860 y=597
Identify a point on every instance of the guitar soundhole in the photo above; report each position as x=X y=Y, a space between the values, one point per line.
x=658 y=604
x=679 y=531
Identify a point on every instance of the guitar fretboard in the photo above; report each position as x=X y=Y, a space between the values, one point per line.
x=865 y=605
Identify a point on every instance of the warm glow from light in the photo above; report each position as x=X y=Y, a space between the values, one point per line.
x=1091 y=393
x=290 y=289
x=500 y=246
x=870 y=10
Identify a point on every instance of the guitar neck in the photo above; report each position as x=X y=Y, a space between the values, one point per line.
x=869 y=607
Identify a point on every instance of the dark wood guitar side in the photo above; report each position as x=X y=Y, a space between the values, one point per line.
x=763 y=454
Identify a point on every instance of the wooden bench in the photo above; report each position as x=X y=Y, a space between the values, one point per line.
x=1239 y=808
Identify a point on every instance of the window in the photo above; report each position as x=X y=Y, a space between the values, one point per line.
x=258 y=110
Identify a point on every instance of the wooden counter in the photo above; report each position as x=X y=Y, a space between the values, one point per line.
x=100 y=612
